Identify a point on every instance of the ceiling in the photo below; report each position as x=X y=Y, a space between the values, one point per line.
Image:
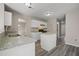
x=39 y=10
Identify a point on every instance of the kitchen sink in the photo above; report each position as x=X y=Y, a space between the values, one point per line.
x=15 y=35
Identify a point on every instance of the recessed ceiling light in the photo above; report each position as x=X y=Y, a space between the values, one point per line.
x=48 y=13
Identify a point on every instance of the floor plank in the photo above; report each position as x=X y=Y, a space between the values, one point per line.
x=38 y=50
x=60 y=50
x=66 y=50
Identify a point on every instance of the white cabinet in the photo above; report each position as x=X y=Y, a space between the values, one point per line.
x=23 y=50
x=8 y=18
x=48 y=41
x=1 y=17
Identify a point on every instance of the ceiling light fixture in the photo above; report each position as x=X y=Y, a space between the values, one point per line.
x=48 y=14
x=29 y=5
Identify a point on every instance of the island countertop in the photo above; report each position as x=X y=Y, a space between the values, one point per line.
x=9 y=42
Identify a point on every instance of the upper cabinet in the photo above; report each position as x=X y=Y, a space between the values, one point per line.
x=1 y=18
x=8 y=18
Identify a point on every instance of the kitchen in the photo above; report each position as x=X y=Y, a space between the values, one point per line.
x=11 y=43
x=20 y=33
x=28 y=34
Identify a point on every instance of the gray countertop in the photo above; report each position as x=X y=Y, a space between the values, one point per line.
x=9 y=42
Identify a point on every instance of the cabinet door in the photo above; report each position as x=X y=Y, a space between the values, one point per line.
x=8 y=18
x=1 y=17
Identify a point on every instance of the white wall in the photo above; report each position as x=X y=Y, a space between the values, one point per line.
x=23 y=50
x=51 y=25
x=72 y=28
x=1 y=17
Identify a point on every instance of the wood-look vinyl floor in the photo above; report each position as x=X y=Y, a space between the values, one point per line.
x=61 y=50
x=38 y=50
x=64 y=50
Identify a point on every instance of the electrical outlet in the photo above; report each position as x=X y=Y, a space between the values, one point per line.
x=75 y=39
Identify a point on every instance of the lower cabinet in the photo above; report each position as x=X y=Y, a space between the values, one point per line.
x=23 y=50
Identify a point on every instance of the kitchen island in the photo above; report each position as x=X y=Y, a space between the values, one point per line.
x=48 y=41
x=17 y=46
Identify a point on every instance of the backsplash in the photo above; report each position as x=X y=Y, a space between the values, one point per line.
x=2 y=34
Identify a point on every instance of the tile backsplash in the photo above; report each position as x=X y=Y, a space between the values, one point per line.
x=2 y=34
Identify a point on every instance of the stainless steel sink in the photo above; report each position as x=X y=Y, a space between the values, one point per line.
x=15 y=35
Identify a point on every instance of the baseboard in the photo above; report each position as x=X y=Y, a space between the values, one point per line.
x=72 y=44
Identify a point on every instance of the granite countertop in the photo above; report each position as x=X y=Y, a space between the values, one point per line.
x=9 y=42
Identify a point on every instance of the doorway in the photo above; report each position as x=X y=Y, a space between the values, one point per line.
x=60 y=31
